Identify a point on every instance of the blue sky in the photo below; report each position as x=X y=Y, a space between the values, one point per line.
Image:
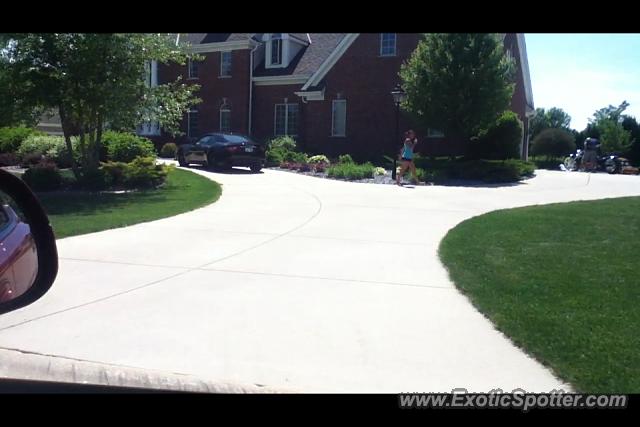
x=581 y=73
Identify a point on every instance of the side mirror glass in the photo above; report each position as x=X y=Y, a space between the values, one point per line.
x=28 y=253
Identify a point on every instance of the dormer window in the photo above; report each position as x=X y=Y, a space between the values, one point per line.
x=276 y=51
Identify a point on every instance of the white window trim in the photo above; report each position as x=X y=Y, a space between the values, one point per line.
x=189 y=122
x=189 y=63
x=333 y=103
x=225 y=76
x=224 y=110
x=286 y=119
x=395 y=45
x=284 y=48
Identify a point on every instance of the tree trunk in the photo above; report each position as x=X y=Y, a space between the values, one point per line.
x=66 y=131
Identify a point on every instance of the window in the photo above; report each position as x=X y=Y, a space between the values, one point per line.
x=276 y=50
x=192 y=123
x=388 y=44
x=225 y=64
x=339 y=117
x=434 y=133
x=193 y=69
x=286 y=119
x=225 y=119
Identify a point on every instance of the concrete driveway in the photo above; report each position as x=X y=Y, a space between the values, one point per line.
x=292 y=282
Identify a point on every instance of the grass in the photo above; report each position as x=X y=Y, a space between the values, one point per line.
x=563 y=282
x=75 y=213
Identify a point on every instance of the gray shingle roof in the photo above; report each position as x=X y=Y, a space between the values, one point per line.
x=309 y=59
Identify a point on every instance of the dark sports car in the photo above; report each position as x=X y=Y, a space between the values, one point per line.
x=223 y=150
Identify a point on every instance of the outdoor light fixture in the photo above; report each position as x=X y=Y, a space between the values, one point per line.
x=398 y=98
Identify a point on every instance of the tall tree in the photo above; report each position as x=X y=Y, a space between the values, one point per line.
x=93 y=80
x=554 y=118
x=458 y=83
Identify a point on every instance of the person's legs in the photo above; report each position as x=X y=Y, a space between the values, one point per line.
x=403 y=169
x=414 y=173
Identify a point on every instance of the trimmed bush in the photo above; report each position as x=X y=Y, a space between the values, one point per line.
x=320 y=158
x=553 y=143
x=351 y=171
x=36 y=147
x=44 y=176
x=345 y=158
x=500 y=141
x=115 y=173
x=125 y=147
x=12 y=137
x=169 y=150
x=379 y=171
x=143 y=172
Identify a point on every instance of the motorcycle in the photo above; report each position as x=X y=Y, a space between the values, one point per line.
x=611 y=163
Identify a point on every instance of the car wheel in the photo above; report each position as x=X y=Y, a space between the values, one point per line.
x=181 y=160
x=255 y=168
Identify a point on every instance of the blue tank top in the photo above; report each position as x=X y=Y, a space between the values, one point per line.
x=407 y=152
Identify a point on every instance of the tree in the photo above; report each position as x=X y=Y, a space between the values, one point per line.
x=555 y=118
x=630 y=124
x=553 y=142
x=609 y=113
x=93 y=80
x=458 y=83
x=613 y=137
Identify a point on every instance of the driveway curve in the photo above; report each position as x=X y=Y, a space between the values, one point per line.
x=296 y=283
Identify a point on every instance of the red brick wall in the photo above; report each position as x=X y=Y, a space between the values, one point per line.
x=264 y=100
x=214 y=88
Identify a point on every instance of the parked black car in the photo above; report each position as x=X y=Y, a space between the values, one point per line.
x=223 y=150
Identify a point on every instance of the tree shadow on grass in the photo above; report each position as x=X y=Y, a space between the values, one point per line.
x=84 y=203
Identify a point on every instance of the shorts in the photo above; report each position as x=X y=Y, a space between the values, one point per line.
x=407 y=160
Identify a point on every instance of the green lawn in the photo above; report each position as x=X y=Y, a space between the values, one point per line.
x=563 y=282
x=79 y=213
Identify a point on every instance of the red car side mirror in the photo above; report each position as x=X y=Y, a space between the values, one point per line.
x=28 y=253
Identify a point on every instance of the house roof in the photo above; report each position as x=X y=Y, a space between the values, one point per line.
x=310 y=57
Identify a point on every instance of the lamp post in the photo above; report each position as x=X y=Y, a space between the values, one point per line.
x=398 y=97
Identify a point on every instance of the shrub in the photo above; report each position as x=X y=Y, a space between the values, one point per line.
x=379 y=171
x=304 y=167
x=53 y=148
x=297 y=157
x=320 y=158
x=143 y=172
x=115 y=173
x=169 y=150
x=44 y=176
x=351 y=171
x=553 y=143
x=511 y=170
x=285 y=142
x=275 y=156
x=500 y=141
x=12 y=137
x=345 y=158
x=9 y=159
x=319 y=167
x=94 y=181
x=125 y=147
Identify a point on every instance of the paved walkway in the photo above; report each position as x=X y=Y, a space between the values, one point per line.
x=296 y=283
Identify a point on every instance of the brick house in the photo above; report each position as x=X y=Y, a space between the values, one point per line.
x=331 y=91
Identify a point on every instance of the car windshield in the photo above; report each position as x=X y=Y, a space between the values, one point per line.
x=236 y=138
